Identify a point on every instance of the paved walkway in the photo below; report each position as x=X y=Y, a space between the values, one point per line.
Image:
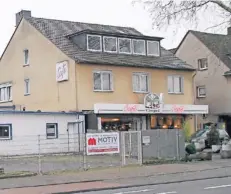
x=106 y=178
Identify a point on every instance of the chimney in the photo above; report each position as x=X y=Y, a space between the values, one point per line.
x=229 y=31
x=22 y=14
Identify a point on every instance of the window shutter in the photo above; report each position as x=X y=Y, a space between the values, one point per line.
x=170 y=84
x=135 y=82
x=111 y=82
x=57 y=131
x=182 y=84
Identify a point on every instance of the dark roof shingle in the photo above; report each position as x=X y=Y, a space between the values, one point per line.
x=57 y=30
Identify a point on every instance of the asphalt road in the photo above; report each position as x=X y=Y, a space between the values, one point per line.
x=211 y=186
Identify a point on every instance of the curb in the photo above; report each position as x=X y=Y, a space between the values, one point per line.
x=119 y=178
x=141 y=185
x=18 y=176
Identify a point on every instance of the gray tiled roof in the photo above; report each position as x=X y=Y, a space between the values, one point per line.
x=219 y=44
x=57 y=30
x=173 y=50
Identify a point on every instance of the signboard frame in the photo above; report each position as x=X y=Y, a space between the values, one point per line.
x=102 y=143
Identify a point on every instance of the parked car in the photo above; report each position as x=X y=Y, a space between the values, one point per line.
x=200 y=137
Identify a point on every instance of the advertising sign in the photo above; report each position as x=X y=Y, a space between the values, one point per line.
x=102 y=143
x=62 y=71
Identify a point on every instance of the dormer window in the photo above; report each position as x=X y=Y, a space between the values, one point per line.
x=94 y=43
x=153 y=48
x=138 y=47
x=124 y=45
x=110 y=44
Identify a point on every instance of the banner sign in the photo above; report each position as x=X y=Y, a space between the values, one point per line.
x=102 y=143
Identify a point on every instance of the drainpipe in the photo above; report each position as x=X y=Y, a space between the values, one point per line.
x=194 y=98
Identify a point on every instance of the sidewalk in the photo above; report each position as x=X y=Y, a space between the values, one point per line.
x=115 y=177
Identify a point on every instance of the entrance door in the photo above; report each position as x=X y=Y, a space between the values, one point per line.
x=75 y=136
x=136 y=124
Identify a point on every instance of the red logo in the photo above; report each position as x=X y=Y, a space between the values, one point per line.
x=130 y=108
x=179 y=109
x=91 y=141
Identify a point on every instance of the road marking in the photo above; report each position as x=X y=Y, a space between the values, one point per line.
x=145 y=190
x=217 y=187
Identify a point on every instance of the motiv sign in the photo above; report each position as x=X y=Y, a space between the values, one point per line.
x=102 y=143
x=62 y=71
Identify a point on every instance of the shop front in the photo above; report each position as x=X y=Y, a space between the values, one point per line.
x=153 y=114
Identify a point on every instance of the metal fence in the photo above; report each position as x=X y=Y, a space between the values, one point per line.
x=163 y=144
x=68 y=152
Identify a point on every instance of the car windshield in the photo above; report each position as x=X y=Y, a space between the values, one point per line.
x=199 y=133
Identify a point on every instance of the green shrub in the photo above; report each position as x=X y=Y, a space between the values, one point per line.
x=190 y=149
x=187 y=132
x=213 y=136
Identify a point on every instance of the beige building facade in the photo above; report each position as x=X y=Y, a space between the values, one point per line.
x=46 y=67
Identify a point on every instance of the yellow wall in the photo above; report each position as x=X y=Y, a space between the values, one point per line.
x=46 y=93
x=122 y=84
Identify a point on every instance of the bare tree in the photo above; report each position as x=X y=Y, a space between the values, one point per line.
x=166 y=12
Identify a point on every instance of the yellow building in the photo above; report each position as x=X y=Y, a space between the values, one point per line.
x=55 y=65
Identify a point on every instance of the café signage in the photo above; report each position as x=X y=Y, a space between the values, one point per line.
x=62 y=71
x=152 y=103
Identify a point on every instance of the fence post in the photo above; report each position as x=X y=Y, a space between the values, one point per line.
x=123 y=148
x=158 y=149
x=177 y=145
x=39 y=156
x=84 y=151
x=140 y=148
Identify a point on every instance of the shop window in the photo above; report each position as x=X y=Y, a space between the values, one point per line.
x=166 y=122
x=116 y=124
x=153 y=122
x=178 y=122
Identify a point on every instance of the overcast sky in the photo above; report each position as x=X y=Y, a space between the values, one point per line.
x=113 y=12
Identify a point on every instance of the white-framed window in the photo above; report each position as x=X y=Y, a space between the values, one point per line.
x=26 y=57
x=153 y=48
x=94 y=42
x=203 y=64
x=125 y=45
x=52 y=130
x=201 y=92
x=5 y=131
x=175 y=84
x=5 y=92
x=103 y=80
x=140 y=82
x=27 y=86
x=138 y=47
x=110 y=44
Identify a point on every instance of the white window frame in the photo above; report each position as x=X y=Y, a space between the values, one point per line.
x=199 y=64
x=104 y=44
x=26 y=60
x=5 y=86
x=148 y=82
x=100 y=43
x=158 y=49
x=10 y=131
x=56 y=131
x=198 y=91
x=27 y=86
x=111 y=83
x=182 y=84
x=138 y=40
x=130 y=40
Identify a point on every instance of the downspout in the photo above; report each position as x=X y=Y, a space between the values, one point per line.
x=76 y=90
x=194 y=98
